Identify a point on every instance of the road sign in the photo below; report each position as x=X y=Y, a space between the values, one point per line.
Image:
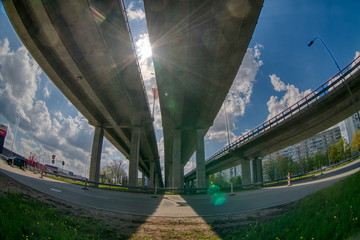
x=3 y=130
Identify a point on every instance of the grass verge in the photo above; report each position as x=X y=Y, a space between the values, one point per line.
x=332 y=213
x=28 y=219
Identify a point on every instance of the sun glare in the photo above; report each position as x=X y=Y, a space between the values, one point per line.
x=144 y=48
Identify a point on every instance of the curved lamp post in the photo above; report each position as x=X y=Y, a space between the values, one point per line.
x=340 y=71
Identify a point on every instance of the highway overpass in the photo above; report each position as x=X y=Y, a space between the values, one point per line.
x=197 y=47
x=334 y=101
x=85 y=48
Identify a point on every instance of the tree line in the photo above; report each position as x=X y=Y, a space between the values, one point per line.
x=278 y=167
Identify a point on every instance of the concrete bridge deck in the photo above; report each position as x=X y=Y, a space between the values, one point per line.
x=197 y=48
x=85 y=48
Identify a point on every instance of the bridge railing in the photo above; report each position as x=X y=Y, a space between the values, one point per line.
x=136 y=56
x=312 y=98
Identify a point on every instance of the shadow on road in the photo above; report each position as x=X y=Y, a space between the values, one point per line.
x=125 y=225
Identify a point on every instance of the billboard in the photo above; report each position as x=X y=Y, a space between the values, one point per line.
x=3 y=130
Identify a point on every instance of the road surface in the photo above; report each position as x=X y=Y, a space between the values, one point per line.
x=179 y=205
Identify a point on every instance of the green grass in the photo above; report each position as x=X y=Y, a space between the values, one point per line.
x=28 y=219
x=332 y=213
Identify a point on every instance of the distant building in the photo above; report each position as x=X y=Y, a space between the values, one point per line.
x=308 y=148
x=348 y=127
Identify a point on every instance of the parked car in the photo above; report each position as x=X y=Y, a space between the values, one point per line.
x=4 y=157
x=20 y=162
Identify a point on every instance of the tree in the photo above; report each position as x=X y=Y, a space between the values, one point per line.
x=339 y=151
x=219 y=179
x=320 y=159
x=303 y=165
x=310 y=163
x=236 y=180
x=333 y=153
x=284 y=165
x=355 y=142
x=113 y=173
x=270 y=170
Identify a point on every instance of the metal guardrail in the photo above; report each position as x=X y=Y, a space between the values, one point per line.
x=302 y=104
x=136 y=56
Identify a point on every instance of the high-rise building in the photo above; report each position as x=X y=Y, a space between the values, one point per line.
x=348 y=127
x=308 y=148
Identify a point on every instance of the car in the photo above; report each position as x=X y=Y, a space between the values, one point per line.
x=20 y=162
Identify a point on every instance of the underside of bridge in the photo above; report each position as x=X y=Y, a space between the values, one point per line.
x=85 y=48
x=320 y=114
x=197 y=47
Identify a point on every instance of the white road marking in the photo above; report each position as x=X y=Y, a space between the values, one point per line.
x=55 y=190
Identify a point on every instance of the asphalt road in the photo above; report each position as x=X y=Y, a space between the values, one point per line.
x=180 y=205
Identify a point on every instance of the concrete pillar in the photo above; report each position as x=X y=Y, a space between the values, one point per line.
x=200 y=159
x=259 y=170
x=134 y=156
x=156 y=183
x=152 y=173
x=252 y=177
x=177 y=166
x=245 y=170
x=143 y=180
x=96 y=154
x=168 y=173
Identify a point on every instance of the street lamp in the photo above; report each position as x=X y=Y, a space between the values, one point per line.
x=328 y=50
x=337 y=65
x=227 y=129
x=227 y=123
x=16 y=127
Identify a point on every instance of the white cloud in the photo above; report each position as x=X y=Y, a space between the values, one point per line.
x=19 y=77
x=277 y=83
x=135 y=14
x=291 y=96
x=46 y=92
x=239 y=96
x=69 y=137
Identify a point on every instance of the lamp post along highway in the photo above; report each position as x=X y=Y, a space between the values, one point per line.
x=227 y=124
x=340 y=71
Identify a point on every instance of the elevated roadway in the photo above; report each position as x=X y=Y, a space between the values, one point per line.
x=197 y=48
x=85 y=48
x=334 y=101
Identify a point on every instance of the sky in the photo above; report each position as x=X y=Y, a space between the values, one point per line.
x=277 y=71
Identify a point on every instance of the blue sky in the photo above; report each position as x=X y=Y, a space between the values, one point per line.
x=278 y=69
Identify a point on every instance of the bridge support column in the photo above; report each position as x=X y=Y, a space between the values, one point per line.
x=259 y=171
x=252 y=171
x=245 y=171
x=200 y=159
x=96 y=154
x=177 y=166
x=134 y=156
x=168 y=162
x=152 y=173
x=143 y=180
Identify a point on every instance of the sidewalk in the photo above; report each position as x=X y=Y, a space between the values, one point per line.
x=4 y=165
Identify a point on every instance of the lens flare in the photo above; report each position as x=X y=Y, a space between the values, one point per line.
x=218 y=198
